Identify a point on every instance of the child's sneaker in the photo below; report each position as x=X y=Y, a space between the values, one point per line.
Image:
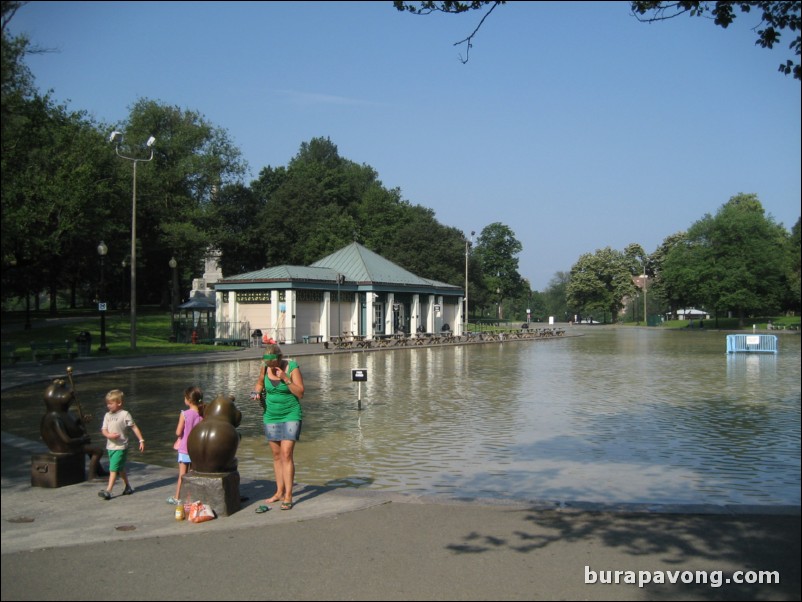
x=128 y=490
x=174 y=502
x=106 y=495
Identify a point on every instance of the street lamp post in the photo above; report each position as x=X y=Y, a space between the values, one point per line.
x=468 y=244
x=173 y=297
x=102 y=249
x=116 y=138
x=340 y=280
x=645 y=314
x=122 y=290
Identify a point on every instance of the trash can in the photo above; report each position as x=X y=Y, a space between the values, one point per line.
x=257 y=338
x=84 y=340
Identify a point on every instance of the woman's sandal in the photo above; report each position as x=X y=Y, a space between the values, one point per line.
x=262 y=509
x=286 y=505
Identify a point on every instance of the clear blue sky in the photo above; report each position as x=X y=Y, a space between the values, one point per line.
x=573 y=124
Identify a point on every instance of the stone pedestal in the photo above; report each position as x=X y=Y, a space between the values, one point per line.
x=220 y=490
x=57 y=470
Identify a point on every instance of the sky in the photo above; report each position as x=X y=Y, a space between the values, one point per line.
x=572 y=123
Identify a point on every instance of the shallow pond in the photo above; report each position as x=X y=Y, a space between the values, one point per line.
x=617 y=415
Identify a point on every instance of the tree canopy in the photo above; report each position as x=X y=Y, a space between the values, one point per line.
x=735 y=260
x=600 y=282
x=776 y=18
x=64 y=190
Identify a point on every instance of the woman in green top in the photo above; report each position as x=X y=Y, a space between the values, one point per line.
x=281 y=385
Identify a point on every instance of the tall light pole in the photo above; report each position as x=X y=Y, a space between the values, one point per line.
x=468 y=244
x=122 y=290
x=116 y=138
x=645 y=315
x=340 y=280
x=102 y=249
x=173 y=297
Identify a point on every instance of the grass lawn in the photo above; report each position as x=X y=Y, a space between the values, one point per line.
x=152 y=333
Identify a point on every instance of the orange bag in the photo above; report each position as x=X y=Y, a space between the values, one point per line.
x=200 y=513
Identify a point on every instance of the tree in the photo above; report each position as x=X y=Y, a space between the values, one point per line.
x=776 y=17
x=555 y=296
x=515 y=307
x=794 y=259
x=600 y=282
x=496 y=251
x=733 y=261
x=321 y=202
x=238 y=228
x=661 y=288
x=193 y=160
x=453 y=7
x=55 y=198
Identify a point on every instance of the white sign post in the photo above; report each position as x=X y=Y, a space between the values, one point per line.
x=359 y=375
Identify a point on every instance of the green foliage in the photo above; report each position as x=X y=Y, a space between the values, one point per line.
x=192 y=160
x=734 y=261
x=497 y=252
x=444 y=6
x=794 y=257
x=320 y=203
x=600 y=282
x=555 y=298
x=153 y=332
x=776 y=17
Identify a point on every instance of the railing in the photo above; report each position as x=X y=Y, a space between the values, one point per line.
x=233 y=333
x=755 y=343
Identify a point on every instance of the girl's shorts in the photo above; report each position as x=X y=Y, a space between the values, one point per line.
x=283 y=431
x=184 y=458
x=117 y=459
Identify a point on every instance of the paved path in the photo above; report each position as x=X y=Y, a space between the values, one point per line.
x=336 y=544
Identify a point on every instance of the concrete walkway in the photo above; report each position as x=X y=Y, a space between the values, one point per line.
x=337 y=544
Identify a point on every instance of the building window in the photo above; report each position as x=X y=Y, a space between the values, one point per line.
x=253 y=297
x=305 y=295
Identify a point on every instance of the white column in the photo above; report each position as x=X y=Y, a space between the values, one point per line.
x=274 y=314
x=289 y=316
x=430 y=317
x=461 y=320
x=389 y=314
x=354 y=322
x=325 y=322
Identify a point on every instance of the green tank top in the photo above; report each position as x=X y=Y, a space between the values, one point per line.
x=281 y=406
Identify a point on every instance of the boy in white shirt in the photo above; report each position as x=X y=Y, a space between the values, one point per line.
x=115 y=423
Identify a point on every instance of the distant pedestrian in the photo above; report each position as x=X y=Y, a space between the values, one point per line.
x=115 y=423
x=189 y=418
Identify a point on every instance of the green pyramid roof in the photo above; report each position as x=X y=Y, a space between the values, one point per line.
x=358 y=264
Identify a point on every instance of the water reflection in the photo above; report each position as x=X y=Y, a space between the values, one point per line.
x=618 y=415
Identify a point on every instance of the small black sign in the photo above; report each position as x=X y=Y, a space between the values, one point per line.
x=359 y=374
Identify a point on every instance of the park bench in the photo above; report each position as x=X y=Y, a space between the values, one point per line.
x=225 y=341
x=237 y=342
x=52 y=351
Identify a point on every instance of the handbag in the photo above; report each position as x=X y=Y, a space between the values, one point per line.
x=200 y=513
